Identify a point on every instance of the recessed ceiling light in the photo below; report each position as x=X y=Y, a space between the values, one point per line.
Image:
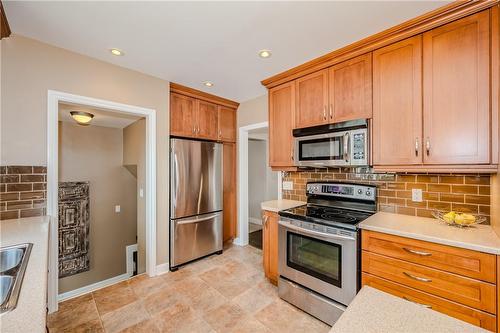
x=208 y=83
x=264 y=53
x=82 y=118
x=116 y=52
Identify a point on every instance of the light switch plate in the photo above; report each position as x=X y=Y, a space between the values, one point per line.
x=117 y=208
x=416 y=195
x=288 y=185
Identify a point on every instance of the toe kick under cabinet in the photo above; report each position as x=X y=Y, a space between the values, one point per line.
x=458 y=282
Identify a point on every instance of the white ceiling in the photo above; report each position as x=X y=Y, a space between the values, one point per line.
x=104 y=118
x=190 y=42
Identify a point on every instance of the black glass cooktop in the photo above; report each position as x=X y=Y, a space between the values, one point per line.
x=326 y=215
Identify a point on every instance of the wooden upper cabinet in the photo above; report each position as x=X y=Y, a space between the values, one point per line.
x=281 y=124
x=350 y=89
x=182 y=115
x=397 y=103
x=207 y=120
x=227 y=124
x=312 y=99
x=457 y=92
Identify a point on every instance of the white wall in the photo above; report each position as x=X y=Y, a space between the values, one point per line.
x=253 y=111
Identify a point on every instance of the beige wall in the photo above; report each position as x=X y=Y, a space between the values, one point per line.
x=95 y=154
x=134 y=157
x=253 y=111
x=30 y=68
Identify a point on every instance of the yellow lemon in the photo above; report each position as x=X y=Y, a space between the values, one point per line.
x=465 y=219
x=449 y=217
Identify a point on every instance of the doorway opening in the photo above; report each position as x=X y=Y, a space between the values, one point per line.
x=256 y=182
x=101 y=192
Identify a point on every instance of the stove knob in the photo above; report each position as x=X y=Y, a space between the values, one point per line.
x=360 y=191
x=368 y=193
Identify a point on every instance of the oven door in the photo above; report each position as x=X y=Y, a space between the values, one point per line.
x=322 y=149
x=325 y=262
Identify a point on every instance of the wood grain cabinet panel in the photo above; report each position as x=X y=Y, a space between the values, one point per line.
x=227 y=124
x=350 y=89
x=397 y=103
x=456 y=60
x=270 y=245
x=281 y=123
x=229 y=191
x=312 y=100
x=182 y=115
x=465 y=262
x=453 y=309
x=207 y=120
x=466 y=291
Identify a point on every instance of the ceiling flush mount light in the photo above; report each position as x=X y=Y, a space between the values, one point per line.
x=264 y=53
x=208 y=83
x=116 y=52
x=82 y=118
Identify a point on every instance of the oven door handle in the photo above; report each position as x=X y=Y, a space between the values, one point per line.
x=313 y=232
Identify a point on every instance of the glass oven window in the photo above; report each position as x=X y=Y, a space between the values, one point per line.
x=315 y=257
x=321 y=149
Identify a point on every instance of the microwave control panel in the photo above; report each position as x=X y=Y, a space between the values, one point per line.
x=358 y=146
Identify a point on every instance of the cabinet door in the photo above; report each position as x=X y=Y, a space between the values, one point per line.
x=182 y=115
x=270 y=246
x=312 y=99
x=227 y=124
x=397 y=103
x=281 y=115
x=456 y=92
x=229 y=191
x=207 y=115
x=350 y=89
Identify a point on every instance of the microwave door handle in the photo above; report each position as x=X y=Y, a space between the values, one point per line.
x=346 y=147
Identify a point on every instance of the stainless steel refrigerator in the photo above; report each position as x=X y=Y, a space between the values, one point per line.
x=196 y=225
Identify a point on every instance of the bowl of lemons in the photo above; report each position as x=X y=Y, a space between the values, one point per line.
x=458 y=219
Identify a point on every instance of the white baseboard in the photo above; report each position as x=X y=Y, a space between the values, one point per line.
x=238 y=241
x=92 y=287
x=254 y=220
x=162 y=269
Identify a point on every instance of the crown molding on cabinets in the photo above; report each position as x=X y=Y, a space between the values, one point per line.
x=433 y=19
x=4 y=24
x=183 y=90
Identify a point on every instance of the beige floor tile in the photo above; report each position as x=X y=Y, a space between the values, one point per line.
x=181 y=318
x=279 y=316
x=69 y=317
x=144 y=285
x=160 y=300
x=226 y=317
x=114 y=297
x=200 y=296
x=173 y=277
x=253 y=300
x=227 y=284
x=146 y=326
x=124 y=317
x=251 y=325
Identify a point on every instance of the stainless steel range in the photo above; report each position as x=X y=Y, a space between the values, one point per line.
x=319 y=248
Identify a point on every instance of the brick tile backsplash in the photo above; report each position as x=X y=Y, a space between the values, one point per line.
x=465 y=193
x=22 y=191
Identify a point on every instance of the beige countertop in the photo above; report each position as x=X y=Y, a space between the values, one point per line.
x=374 y=311
x=30 y=313
x=277 y=205
x=479 y=238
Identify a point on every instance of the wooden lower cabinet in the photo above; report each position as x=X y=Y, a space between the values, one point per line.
x=453 y=309
x=458 y=282
x=270 y=245
x=229 y=191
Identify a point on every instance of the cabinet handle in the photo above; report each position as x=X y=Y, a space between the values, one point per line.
x=424 y=305
x=418 y=278
x=292 y=154
x=418 y=253
x=416 y=146
x=324 y=112
x=331 y=112
x=198 y=129
x=220 y=133
x=428 y=146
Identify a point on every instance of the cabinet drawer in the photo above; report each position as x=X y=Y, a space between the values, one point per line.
x=465 y=313
x=464 y=262
x=474 y=293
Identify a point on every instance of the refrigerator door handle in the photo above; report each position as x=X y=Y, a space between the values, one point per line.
x=196 y=220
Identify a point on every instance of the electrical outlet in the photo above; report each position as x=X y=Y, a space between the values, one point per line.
x=117 y=209
x=141 y=193
x=288 y=185
x=416 y=195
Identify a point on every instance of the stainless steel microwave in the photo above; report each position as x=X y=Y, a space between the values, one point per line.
x=341 y=144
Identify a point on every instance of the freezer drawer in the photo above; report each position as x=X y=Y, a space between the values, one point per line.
x=195 y=237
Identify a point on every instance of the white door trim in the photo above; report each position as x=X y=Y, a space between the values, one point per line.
x=54 y=97
x=243 y=216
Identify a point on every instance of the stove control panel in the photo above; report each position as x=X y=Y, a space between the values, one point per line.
x=353 y=191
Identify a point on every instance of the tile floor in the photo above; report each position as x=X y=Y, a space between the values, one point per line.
x=226 y=293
